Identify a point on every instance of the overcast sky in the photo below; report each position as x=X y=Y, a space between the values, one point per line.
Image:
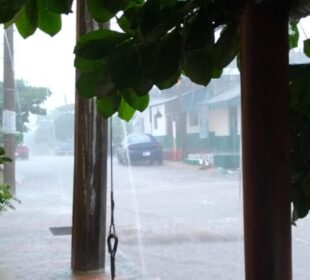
x=47 y=61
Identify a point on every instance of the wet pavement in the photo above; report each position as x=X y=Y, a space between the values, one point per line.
x=28 y=248
x=189 y=224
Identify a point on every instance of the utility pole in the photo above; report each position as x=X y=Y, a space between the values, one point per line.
x=90 y=175
x=8 y=114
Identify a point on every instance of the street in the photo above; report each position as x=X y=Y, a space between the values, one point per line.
x=173 y=221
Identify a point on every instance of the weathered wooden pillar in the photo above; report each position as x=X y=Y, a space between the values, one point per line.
x=9 y=108
x=265 y=103
x=90 y=176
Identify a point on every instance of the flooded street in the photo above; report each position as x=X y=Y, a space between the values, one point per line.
x=173 y=221
x=187 y=221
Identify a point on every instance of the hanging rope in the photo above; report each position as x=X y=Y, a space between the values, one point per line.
x=112 y=239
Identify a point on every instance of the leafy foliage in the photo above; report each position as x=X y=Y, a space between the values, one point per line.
x=300 y=139
x=293 y=34
x=6 y=198
x=160 y=41
x=28 y=15
x=3 y=157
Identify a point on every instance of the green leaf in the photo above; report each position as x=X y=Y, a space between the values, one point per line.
x=85 y=65
x=293 y=34
x=108 y=105
x=306 y=184
x=199 y=66
x=27 y=20
x=170 y=82
x=150 y=18
x=143 y=83
x=166 y=60
x=5 y=159
x=125 y=111
x=299 y=71
x=134 y=100
x=307 y=47
x=123 y=65
x=301 y=204
x=98 y=11
x=304 y=136
x=59 y=6
x=8 y=9
x=300 y=87
x=227 y=45
x=217 y=73
x=195 y=39
x=129 y=21
x=96 y=83
x=99 y=44
x=13 y=19
x=167 y=2
x=49 y=22
x=2 y=152
x=103 y=10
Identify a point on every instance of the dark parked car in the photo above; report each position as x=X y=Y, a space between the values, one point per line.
x=140 y=147
x=22 y=152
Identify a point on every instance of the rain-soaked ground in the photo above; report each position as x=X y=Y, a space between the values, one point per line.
x=173 y=222
x=29 y=250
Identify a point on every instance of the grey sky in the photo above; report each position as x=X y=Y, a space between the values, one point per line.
x=47 y=61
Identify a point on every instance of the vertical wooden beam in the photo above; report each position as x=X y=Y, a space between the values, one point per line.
x=90 y=176
x=265 y=104
x=9 y=114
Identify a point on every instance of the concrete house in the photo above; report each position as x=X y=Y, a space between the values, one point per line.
x=196 y=124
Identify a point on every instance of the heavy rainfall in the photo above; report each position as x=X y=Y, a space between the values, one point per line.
x=176 y=175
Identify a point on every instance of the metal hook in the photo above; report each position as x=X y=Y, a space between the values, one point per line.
x=112 y=243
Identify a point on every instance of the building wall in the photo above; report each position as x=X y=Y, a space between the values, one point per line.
x=192 y=127
x=219 y=121
x=146 y=121
x=149 y=119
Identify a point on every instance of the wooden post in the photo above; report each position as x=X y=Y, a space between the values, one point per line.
x=90 y=176
x=265 y=104
x=9 y=114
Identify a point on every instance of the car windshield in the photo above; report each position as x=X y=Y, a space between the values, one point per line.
x=139 y=138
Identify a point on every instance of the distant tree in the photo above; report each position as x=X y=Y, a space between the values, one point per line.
x=57 y=126
x=28 y=101
x=63 y=121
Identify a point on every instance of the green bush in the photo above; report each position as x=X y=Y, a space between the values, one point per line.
x=6 y=198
